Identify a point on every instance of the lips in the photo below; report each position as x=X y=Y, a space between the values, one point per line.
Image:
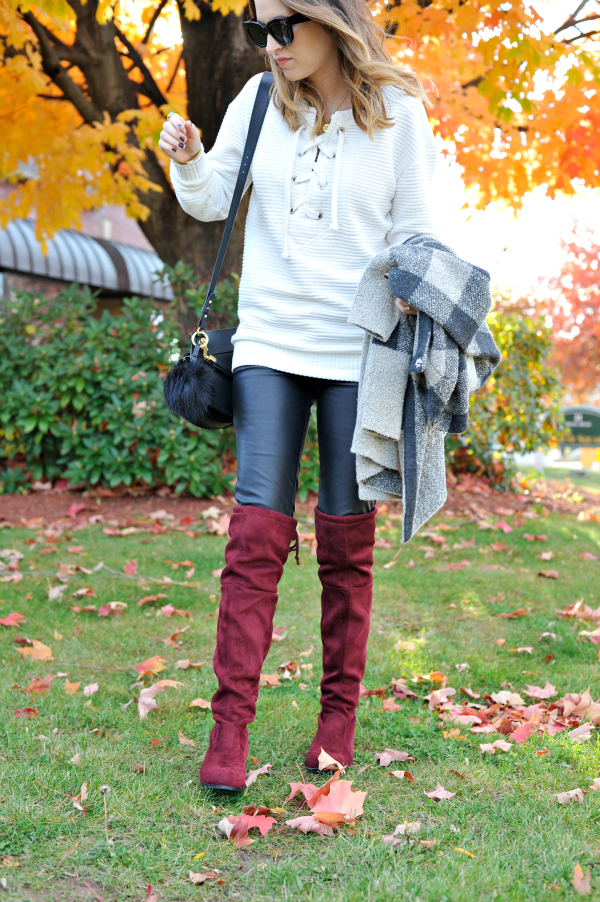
x=282 y=59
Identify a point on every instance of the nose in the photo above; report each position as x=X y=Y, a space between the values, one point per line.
x=272 y=44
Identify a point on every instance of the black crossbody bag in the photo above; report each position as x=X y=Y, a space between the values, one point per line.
x=199 y=387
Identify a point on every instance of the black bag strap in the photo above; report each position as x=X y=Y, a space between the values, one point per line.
x=199 y=341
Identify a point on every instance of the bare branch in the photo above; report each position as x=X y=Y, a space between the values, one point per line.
x=152 y=91
x=53 y=69
x=153 y=20
x=177 y=64
x=572 y=21
x=578 y=37
x=473 y=83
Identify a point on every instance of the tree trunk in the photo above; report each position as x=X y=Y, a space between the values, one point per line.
x=219 y=60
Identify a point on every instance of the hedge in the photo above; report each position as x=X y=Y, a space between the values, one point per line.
x=82 y=398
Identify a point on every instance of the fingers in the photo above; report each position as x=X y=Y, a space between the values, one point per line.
x=403 y=307
x=173 y=137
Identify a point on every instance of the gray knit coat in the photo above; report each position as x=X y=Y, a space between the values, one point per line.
x=417 y=372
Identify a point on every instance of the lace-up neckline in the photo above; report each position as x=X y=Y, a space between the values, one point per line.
x=328 y=148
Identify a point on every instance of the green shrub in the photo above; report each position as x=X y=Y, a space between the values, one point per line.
x=518 y=410
x=83 y=398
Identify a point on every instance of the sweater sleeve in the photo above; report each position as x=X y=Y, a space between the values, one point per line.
x=415 y=162
x=204 y=187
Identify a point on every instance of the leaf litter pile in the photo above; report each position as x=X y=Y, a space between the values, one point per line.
x=502 y=720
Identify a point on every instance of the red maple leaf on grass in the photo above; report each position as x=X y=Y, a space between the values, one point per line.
x=236 y=827
x=332 y=804
x=12 y=619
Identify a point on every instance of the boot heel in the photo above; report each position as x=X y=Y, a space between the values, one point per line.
x=224 y=788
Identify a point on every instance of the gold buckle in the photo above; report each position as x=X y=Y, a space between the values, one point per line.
x=203 y=344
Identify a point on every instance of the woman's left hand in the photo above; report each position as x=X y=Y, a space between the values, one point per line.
x=403 y=306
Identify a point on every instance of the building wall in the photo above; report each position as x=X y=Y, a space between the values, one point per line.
x=13 y=281
x=108 y=222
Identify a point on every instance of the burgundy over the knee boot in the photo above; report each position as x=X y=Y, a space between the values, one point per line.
x=345 y=556
x=258 y=548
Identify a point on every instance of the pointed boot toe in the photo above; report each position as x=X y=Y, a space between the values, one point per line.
x=335 y=735
x=224 y=766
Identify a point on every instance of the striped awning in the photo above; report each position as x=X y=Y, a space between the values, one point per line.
x=74 y=257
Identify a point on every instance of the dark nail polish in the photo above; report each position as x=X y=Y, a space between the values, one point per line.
x=385 y=275
x=179 y=126
x=174 y=149
x=181 y=145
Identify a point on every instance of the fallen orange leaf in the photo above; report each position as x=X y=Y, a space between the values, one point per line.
x=38 y=651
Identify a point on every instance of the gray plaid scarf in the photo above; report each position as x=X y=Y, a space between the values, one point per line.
x=417 y=372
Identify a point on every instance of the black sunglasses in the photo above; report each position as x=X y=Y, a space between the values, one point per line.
x=279 y=28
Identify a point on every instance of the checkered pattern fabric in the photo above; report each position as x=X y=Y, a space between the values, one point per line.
x=417 y=373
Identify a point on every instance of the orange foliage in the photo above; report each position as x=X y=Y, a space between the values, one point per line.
x=572 y=299
x=508 y=132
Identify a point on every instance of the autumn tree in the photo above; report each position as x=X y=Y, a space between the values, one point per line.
x=571 y=300
x=85 y=86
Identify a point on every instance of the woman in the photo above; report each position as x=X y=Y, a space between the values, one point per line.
x=342 y=169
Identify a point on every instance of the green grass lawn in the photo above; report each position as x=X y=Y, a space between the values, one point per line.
x=524 y=845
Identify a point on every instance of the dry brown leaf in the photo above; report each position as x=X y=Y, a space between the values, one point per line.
x=440 y=793
x=571 y=795
x=388 y=755
x=326 y=762
x=146 y=700
x=183 y=740
x=199 y=878
x=153 y=665
x=253 y=775
x=581 y=884
x=537 y=692
x=199 y=703
x=80 y=798
x=270 y=679
x=490 y=749
x=38 y=651
x=404 y=829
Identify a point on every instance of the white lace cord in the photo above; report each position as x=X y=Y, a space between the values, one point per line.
x=287 y=190
x=336 y=178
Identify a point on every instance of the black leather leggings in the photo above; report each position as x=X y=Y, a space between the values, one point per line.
x=271 y=411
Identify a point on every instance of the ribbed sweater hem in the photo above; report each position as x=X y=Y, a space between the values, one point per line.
x=319 y=365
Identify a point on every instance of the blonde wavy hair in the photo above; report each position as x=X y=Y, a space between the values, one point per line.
x=364 y=60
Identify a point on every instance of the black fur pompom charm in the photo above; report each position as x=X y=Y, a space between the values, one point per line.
x=189 y=388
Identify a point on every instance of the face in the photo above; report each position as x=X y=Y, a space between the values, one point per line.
x=312 y=50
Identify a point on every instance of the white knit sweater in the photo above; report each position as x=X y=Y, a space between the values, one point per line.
x=313 y=224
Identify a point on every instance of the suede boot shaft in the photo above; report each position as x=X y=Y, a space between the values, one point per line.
x=258 y=547
x=345 y=556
